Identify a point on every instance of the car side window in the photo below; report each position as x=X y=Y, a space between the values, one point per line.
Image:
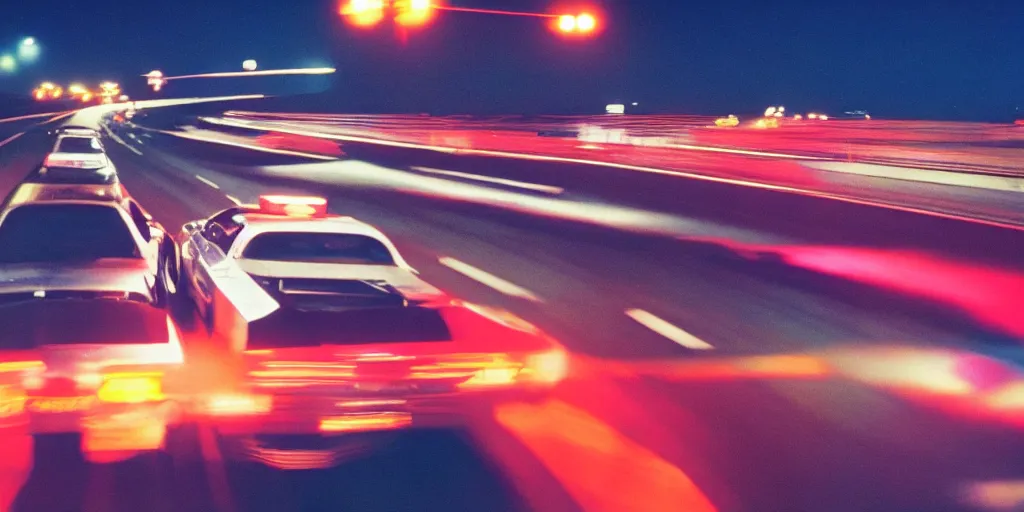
x=139 y=218
x=222 y=232
x=215 y=233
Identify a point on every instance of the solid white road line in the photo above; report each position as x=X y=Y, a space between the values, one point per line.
x=488 y=279
x=958 y=179
x=208 y=182
x=234 y=199
x=11 y=138
x=668 y=330
x=547 y=189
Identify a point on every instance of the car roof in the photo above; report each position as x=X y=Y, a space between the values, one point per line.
x=267 y=223
x=258 y=223
x=256 y=220
x=86 y=136
x=78 y=129
x=46 y=192
x=74 y=176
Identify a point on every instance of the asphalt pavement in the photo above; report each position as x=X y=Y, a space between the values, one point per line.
x=621 y=268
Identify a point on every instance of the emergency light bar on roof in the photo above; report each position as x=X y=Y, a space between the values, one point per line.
x=294 y=206
x=59 y=160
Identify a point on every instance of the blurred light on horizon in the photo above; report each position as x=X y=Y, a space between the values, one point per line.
x=265 y=72
x=249 y=65
x=8 y=64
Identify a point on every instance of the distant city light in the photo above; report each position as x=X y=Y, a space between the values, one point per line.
x=615 y=108
x=8 y=64
x=249 y=65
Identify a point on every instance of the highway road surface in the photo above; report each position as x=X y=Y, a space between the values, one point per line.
x=713 y=323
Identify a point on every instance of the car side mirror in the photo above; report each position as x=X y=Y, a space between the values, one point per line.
x=189 y=227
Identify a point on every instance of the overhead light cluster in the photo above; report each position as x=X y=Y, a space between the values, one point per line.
x=106 y=92
x=26 y=52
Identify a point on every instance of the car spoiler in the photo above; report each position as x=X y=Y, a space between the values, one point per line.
x=289 y=328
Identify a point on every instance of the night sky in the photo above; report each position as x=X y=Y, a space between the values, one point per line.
x=954 y=59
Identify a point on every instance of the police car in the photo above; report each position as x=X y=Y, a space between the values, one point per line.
x=299 y=255
x=343 y=343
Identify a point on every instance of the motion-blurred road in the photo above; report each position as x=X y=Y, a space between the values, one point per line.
x=626 y=268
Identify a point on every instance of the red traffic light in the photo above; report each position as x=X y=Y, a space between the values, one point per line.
x=583 y=23
x=363 y=13
x=414 y=13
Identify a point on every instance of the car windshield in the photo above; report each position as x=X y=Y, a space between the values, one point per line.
x=318 y=248
x=54 y=233
x=31 y=323
x=79 y=145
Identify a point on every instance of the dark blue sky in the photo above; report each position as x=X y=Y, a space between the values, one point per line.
x=910 y=59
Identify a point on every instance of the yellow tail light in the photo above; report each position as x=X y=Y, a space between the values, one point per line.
x=131 y=388
x=546 y=368
x=238 y=404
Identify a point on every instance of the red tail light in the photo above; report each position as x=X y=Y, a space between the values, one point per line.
x=58 y=160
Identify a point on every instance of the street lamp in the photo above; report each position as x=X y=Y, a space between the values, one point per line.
x=28 y=50
x=155 y=79
x=249 y=65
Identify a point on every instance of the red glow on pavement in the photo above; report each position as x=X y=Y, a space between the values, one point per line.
x=602 y=469
x=990 y=295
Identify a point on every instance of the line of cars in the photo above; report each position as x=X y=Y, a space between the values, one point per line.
x=321 y=340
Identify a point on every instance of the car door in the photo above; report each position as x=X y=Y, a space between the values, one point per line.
x=210 y=247
x=206 y=256
x=142 y=223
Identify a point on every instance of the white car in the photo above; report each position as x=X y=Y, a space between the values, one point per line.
x=78 y=151
x=84 y=238
x=302 y=257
